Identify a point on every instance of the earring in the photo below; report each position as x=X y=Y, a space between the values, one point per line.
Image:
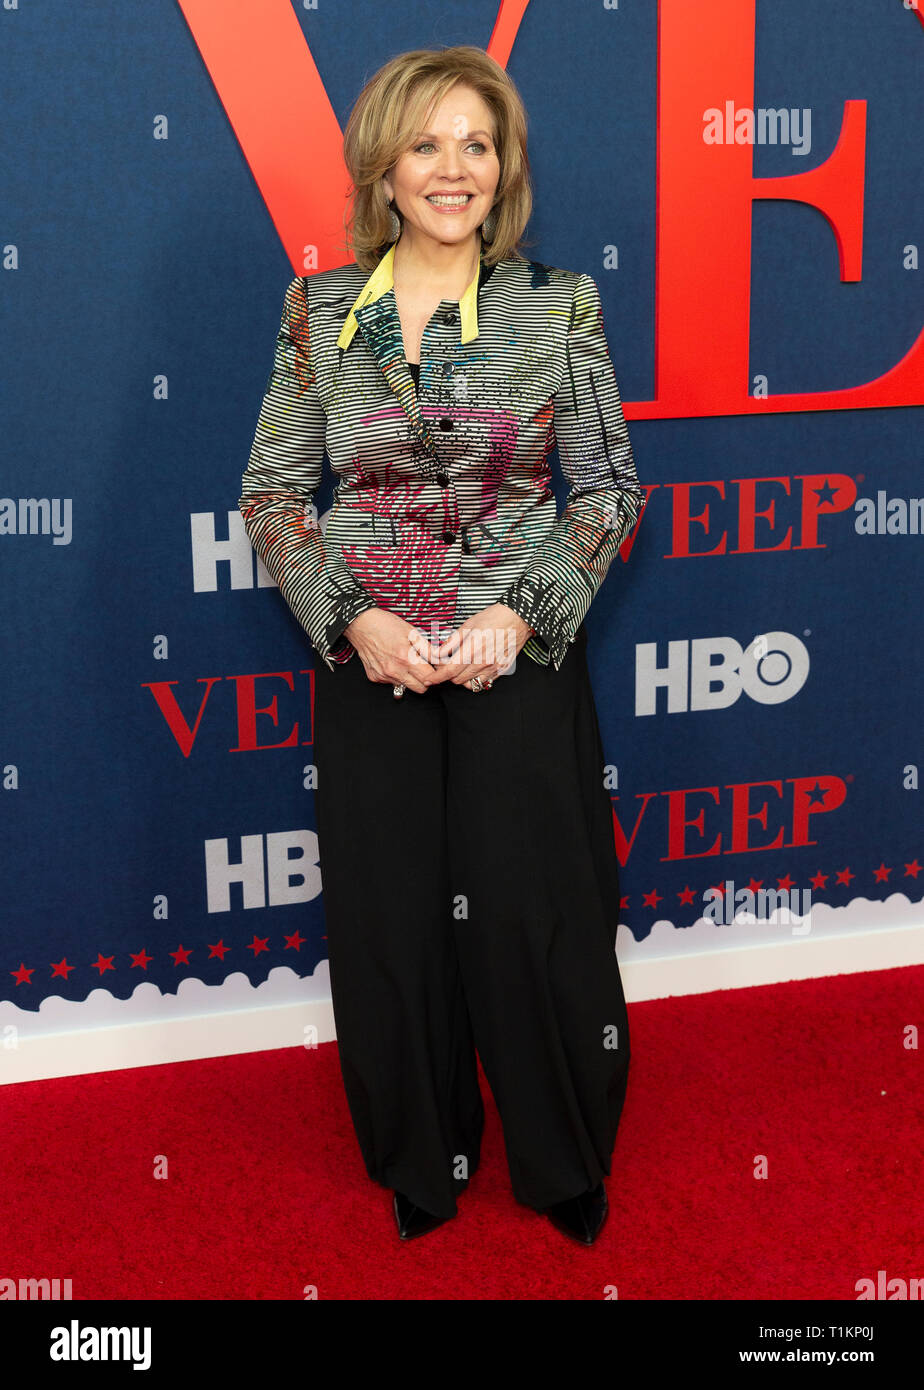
x=489 y=226
x=395 y=225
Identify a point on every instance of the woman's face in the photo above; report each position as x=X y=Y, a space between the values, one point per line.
x=453 y=155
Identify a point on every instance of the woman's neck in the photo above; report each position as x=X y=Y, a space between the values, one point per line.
x=432 y=266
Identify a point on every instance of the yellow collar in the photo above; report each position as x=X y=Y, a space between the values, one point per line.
x=382 y=280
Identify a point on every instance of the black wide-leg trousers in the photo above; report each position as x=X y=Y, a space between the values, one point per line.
x=471 y=898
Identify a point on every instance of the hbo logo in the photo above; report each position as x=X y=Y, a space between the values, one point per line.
x=711 y=672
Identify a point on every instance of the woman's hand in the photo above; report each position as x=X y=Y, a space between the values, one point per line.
x=484 y=645
x=392 y=651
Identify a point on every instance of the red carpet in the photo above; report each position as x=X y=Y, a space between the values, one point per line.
x=267 y=1194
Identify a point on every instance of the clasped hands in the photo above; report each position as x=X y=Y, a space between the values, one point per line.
x=394 y=652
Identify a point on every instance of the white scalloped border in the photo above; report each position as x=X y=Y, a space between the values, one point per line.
x=102 y=1033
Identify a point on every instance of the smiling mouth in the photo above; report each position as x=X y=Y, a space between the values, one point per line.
x=449 y=200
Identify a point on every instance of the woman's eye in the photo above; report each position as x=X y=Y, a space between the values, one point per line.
x=428 y=145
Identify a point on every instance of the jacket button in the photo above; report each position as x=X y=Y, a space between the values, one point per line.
x=445 y=423
x=442 y=479
x=448 y=537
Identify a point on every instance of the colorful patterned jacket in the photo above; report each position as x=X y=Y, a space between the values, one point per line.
x=444 y=504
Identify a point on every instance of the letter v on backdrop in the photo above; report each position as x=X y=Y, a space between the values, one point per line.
x=266 y=78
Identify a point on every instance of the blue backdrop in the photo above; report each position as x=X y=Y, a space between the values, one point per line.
x=142 y=286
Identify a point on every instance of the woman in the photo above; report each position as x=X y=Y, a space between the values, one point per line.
x=471 y=888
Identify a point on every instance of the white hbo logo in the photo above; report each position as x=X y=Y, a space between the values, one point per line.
x=711 y=672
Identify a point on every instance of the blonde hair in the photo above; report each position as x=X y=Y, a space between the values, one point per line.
x=387 y=115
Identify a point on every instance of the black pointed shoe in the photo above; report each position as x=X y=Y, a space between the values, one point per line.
x=580 y=1217
x=413 y=1220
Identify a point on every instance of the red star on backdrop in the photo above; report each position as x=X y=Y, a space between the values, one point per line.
x=686 y=897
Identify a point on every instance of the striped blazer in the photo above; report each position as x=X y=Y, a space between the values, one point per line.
x=443 y=504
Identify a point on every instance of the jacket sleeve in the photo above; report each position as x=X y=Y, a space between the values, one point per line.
x=554 y=591
x=280 y=482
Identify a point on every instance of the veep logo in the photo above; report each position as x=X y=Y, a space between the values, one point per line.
x=274 y=95
x=712 y=672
